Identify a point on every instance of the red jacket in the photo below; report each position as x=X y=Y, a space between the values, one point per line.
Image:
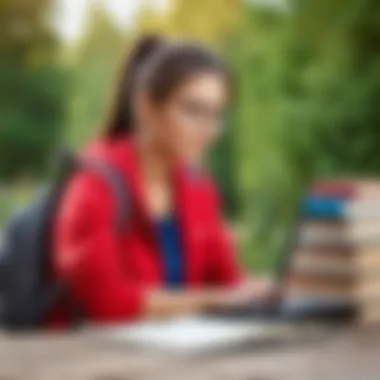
x=108 y=272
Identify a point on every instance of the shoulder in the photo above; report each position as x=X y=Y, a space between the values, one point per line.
x=118 y=155
x=118 y=152
x=87 y=187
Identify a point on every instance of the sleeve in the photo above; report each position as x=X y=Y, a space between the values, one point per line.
x=86 y=253
x=223 y=268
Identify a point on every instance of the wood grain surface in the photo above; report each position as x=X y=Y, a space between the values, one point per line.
x=344 y=355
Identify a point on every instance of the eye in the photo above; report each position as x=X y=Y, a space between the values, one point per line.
x=199 y=109
x=193 y=107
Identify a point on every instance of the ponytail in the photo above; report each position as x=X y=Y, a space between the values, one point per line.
x=120 y=122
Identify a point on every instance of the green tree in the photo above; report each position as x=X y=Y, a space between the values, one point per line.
x=209 y=21
x=32 y=88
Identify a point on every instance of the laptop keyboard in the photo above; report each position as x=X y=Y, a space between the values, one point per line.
x=291 y=312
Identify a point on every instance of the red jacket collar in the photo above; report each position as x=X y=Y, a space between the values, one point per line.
x=185 y=201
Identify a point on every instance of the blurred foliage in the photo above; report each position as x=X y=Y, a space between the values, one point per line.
x=32 y=88
x=95 y=61
x=308 y=88
x=208 y=21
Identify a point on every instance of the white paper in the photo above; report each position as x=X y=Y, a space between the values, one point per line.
x=189 y=335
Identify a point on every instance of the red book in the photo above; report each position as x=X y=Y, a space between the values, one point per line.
x=347 y=188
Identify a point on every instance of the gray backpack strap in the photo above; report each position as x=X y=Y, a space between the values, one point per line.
x=118 y=185
x=109 y=173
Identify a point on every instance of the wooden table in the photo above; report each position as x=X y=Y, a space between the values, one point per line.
x=345 y=355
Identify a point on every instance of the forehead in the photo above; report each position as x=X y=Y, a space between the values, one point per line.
x=206 y=86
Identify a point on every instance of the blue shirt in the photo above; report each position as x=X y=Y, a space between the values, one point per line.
x=171 y=251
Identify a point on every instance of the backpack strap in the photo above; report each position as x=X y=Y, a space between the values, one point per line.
x=118 y=186
x=110 y=174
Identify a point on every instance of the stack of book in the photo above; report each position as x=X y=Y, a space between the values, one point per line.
x=338 y=252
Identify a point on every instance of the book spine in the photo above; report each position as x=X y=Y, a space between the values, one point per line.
x=323 y=208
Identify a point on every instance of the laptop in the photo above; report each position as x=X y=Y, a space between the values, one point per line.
x=282 y=307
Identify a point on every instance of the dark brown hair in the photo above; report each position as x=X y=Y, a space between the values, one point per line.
x=158 y=67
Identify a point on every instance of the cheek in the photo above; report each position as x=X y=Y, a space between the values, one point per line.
x=185 y=139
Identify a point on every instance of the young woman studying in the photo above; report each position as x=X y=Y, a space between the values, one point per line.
x=175 y=256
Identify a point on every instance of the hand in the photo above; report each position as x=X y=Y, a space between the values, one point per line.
x=257 y=289
x=166 y=304
x=262 y=288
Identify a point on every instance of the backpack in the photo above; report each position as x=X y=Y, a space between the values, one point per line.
x=27 y=291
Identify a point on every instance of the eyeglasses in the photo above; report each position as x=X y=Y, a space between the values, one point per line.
x=200 y=113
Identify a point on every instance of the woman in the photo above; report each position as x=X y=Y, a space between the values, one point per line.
x=175 y=257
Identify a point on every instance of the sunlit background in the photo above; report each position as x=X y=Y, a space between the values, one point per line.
x=307 y=106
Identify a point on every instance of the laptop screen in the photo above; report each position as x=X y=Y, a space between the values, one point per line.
x=284 y=261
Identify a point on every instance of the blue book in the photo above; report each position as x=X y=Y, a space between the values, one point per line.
x=316 y=207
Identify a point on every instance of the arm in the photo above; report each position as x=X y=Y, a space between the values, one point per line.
x=86 y=253
x=223 y=268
